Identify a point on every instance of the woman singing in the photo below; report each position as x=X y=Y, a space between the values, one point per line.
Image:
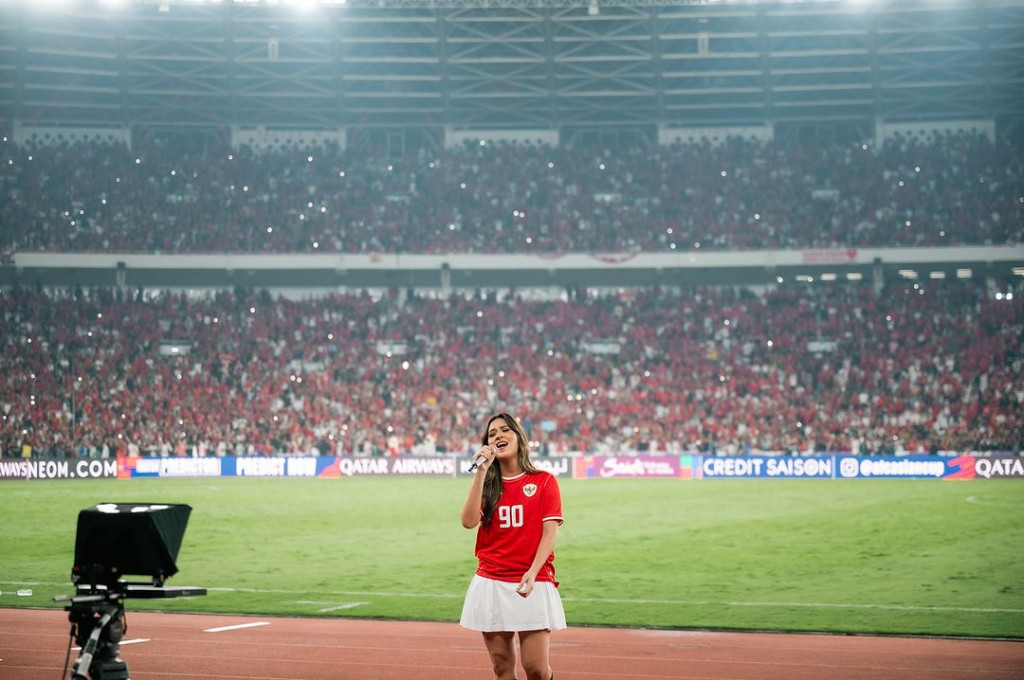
x=518 y=510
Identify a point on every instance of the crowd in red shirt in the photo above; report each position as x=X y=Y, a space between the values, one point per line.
x=914 y=367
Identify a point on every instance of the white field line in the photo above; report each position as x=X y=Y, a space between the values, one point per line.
x=345 y=605
x=334 y=606
x=238 y=627
x=599 y=600
x=122 y=642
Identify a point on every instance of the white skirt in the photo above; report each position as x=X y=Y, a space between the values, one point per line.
x=495 y=606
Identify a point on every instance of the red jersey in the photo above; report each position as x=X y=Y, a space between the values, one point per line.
x=508 y=543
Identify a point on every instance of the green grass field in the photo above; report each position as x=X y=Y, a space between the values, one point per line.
x=902 y=557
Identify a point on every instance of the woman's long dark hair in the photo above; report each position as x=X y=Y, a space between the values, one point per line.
x=492 y=482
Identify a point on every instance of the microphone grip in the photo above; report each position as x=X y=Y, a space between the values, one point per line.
x=476 y=462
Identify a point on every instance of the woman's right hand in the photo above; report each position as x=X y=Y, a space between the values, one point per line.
x=485 y=457
x=471 y=510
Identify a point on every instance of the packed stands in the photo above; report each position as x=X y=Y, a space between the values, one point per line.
x=191 y=194
x=921 y=367
x=932 y=366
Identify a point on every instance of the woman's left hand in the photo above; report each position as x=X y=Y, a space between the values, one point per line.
x=525 y=586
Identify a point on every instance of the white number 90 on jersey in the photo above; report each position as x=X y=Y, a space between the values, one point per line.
x=510 y=516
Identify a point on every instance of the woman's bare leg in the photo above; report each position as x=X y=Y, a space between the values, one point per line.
x=534 y=645
x=502 y=648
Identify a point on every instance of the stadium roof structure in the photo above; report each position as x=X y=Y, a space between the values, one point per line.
x=510 y=64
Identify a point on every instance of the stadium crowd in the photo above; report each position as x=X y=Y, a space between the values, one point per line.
x=197 y=194
x=916 y=367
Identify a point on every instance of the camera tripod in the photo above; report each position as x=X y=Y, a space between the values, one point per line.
x=97 y=623
x=115 y=539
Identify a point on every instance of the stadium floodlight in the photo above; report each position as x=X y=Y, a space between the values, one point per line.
x=114 y=540
x=592 y=6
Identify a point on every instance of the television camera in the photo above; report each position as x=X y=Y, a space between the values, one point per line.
x=115 y=540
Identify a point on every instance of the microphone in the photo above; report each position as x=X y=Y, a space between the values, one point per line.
x=479 y=459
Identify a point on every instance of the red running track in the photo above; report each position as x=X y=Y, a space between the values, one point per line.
x=34 y=644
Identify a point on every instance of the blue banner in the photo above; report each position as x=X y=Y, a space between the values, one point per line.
x=766 y=467
x=897 y=467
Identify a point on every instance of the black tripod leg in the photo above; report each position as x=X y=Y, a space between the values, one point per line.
x=81 y=668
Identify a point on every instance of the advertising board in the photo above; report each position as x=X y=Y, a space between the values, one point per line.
x=686 y=466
